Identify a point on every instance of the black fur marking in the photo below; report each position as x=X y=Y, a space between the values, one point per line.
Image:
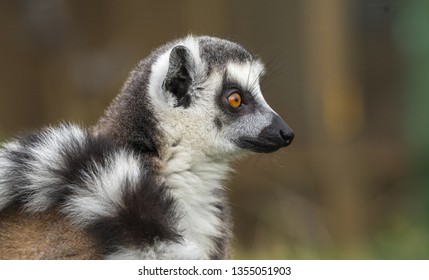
x=248 y=106
x=221 y=251
x=79 y=159
x=178 y=79
x=130 y=119
x=134 y=123
x=148 y=215
x=218 y=123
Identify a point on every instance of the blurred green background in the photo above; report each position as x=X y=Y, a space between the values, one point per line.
x=351 y=77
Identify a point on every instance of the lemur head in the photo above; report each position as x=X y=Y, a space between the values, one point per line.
x=199 y=92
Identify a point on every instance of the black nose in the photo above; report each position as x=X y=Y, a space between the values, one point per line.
x=277 y=133
x=287 y=136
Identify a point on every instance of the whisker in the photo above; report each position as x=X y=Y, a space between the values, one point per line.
x=256 y=160
x=248 y=74
x=275 y=159
x=255 y=83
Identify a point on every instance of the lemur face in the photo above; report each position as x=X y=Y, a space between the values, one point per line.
x=207 y=95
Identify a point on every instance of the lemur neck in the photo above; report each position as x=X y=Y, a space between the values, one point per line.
x=197 y=186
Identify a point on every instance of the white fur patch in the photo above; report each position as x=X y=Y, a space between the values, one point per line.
x=248 y=75
x=193 y=45
x=158 y=74
x=194 y=184
x=185 y=250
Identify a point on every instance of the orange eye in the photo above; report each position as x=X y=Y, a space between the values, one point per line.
x=234 y=100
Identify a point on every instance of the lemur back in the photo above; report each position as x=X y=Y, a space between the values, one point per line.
x=147 y=181
x=46 y=235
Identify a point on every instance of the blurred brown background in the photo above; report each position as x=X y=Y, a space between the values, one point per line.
x=351 y=77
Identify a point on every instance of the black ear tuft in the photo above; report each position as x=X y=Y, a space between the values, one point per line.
x=179 y=75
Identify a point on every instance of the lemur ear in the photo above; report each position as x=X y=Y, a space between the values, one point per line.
x=179 y=75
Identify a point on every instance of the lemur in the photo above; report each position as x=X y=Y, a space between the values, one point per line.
x=146 y=182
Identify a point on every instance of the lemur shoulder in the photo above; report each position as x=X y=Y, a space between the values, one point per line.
x=147 y=181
